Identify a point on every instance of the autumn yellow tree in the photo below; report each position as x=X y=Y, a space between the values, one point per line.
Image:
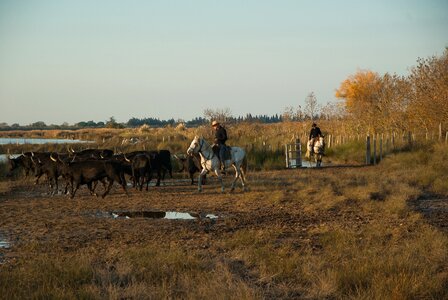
x=360 y=93
x=428 y=98
x=375 y=103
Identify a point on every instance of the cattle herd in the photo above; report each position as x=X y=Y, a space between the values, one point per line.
x=91 y=166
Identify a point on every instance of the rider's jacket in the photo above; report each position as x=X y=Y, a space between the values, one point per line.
x=315 y=132
x=220 y=136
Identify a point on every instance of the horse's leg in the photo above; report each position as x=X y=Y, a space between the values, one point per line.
x=237 y=175
x=201 y=175
x=218 y=174
x=243 y=178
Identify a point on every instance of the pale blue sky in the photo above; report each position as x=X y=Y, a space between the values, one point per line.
x=83 y=60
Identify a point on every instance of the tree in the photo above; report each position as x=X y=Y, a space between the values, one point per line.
x=311 y=107
x=221 y=115
x=112 y=123
x=360 y=93
x=428 y=100
x=288 y=114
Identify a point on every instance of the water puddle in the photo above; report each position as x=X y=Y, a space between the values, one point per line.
x=169 y=215
x=4 y=244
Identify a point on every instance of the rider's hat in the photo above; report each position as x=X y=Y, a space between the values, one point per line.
x=215 y=123
x=314 y=125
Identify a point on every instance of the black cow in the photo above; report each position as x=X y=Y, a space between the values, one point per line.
x=165 y=161
x=192 y=164
x=141 y=170
x=23 y=162
x=40 y=164
x=87 y=172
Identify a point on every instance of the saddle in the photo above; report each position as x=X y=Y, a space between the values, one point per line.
x=227 y=150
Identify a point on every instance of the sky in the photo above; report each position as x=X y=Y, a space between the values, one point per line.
x=71 y=61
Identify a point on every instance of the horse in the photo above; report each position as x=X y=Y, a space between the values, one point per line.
x=317 y=151
x=210 y=162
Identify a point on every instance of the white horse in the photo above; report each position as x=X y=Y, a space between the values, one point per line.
x=210 y=162
x=317 y=151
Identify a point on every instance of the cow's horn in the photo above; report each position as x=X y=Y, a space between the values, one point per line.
x=71 y=150
x=52 y=158
x=125 y=158
x=32 y=153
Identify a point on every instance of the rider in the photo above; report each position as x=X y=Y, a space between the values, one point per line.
x=220 y=140
x=315 y=133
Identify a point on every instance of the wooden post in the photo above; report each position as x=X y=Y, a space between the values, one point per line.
x=393 y=140
x=440 y=131
x=298 y=148
x=381 y=148
x=374 y=148
x=368 y=150
x=287 y=156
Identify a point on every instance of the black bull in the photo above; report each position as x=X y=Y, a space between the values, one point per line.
x=87 y=172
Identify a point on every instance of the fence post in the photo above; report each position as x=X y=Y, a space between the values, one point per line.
x=374 y=148
x=393 y=140
x=298 y=148
x=368 y=150
x=287 y=156
x=440 y=131
x=381 y=148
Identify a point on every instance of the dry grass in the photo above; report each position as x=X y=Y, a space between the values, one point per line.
x=330 y=233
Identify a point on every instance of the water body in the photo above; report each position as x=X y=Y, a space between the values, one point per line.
x=169 y=215
x=4 y=244
x=26 y=141
x=4 y=157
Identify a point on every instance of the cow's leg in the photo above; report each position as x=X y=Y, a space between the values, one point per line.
x=56 y=186
x=111 y=182
x=74 y=191
x=37 y=177
x=148 y=179
x=158 y=177
x=141 y=182
x=123 y=183
x=192 y=178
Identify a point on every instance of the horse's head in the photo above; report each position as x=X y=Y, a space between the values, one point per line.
x=319 y=145
x=195 y=146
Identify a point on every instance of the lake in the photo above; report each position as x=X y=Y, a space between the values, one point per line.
x=26 y=141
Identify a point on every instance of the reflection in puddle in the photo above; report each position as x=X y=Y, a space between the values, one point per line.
x=3 y=243
x=169 y=215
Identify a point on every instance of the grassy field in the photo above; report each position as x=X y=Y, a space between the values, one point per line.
x=339 y=232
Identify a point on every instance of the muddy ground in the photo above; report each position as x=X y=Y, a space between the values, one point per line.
x=29 y=216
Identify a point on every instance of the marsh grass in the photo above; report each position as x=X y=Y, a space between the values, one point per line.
x=334 y=233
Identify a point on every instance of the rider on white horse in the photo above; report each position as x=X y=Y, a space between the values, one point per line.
x=220 y=140
x=315 y=133
x=210 y=162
